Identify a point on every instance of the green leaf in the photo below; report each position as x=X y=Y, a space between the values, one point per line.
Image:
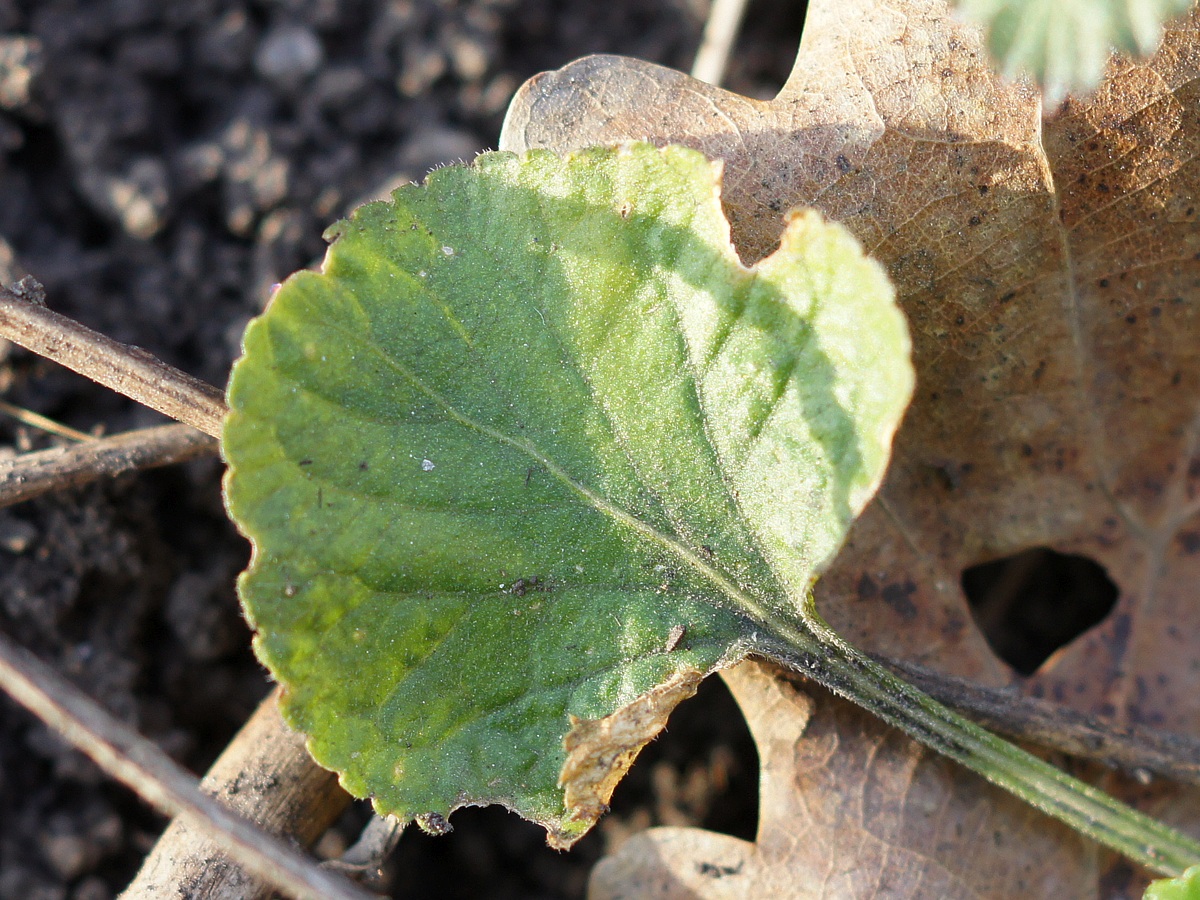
x=534 y=444
x=1065 y=44
x=1185 y=887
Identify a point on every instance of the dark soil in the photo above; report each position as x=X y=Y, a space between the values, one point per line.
x=165 y=163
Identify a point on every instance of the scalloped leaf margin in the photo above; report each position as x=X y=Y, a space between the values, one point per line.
x=533 y=444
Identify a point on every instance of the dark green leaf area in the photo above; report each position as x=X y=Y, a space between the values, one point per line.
x=530 y=418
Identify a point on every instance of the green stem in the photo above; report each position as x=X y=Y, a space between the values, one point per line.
x=815 y=650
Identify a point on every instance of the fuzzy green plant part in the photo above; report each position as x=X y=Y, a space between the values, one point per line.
x=1185 y=887
x=534 y=453
x=1066 y=44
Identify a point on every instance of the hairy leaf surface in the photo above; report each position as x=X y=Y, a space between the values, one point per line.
x=534 y=443
x=1065 y=44
x=1185 y=887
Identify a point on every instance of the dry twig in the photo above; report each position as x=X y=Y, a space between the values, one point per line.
x=127 y=370
x=136 y=762
x=30 y=475
x=1138 y=751
x=266 y=775
x=37 y=420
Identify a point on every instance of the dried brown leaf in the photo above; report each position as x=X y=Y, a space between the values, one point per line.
x=600 y=751
x=851 y=808
x=1049 y=269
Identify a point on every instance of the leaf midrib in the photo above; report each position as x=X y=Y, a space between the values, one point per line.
x=743 y=602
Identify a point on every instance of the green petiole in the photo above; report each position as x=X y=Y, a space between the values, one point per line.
x=811 y=647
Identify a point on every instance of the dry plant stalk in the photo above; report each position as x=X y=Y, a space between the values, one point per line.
x=139 y=764
x=30 y=475
x=266 y=775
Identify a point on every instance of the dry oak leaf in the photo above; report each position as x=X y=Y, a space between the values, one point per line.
x=1049 y=269
x=850 y=808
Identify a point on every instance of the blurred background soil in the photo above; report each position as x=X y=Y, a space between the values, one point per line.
x=162 y=164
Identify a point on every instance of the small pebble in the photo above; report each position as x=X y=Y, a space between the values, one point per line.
x=16 y=535
x=288 y=54
x=20 y=63
x=138 y=199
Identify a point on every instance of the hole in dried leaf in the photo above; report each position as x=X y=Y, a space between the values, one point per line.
x=1031 y=603
x=701 y=771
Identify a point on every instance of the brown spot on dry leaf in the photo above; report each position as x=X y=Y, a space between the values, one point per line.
x=600 y=751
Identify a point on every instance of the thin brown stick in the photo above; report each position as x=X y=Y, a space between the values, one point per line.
x=365 y=860
x=30 y=475
x=128 y=370
x=138 y=763
x=37 y=420
x=265 y=774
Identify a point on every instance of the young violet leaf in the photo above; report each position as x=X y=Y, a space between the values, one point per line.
x=535 y=452
x=1065 y=44
x=1185 y=887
